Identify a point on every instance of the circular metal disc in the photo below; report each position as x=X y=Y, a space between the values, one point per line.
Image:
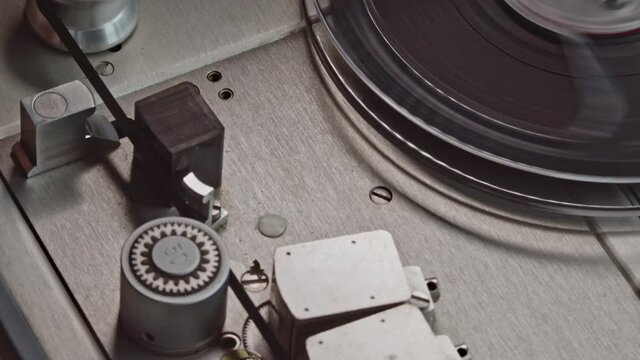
x=272 y=225
x=176 y=255
x=476 y=74
x=50 y=105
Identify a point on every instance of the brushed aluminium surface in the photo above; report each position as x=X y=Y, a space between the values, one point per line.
x=559 y=196
x=512 y=287
x=172 y=38
x=28 y=275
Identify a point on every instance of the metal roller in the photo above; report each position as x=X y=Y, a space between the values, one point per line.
x=96 y=25
x=174 y=285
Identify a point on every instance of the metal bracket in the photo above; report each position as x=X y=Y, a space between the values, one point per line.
x=58 y=126
x=201 y=198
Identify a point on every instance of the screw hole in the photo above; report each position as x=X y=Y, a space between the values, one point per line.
x=148 y=337
x=288 y=253
x=382 y=320
x=432 y=285
x=306 y=309
x=229 y=341
x=372 y=297
x=116 y=48
x=320 y=342
x=462 y=351
x=225 y=94
x=214 y=76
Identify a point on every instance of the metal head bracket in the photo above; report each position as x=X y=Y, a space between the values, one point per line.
x=58 y=126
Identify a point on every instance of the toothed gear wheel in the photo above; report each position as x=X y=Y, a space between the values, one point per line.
x=150 y=275
x=252 y=340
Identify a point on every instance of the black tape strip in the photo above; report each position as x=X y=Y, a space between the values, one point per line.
x=19 y=341
x=122 y=123
x=254 y=314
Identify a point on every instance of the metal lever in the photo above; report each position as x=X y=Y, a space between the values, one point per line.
x=200 y=199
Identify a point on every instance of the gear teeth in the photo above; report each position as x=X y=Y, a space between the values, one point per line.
x=248 y=328
x=152 y=278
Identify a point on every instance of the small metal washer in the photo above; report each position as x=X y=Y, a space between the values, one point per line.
x=272 y=225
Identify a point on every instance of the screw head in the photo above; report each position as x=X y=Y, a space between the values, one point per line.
x=380 y=195
x=421 y=298
x=255 y=279
x=105 y=68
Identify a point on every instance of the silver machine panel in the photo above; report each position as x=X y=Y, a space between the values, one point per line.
x=300 y=165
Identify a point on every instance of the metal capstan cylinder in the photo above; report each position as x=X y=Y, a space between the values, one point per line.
x=96 y=25
x=174 y=286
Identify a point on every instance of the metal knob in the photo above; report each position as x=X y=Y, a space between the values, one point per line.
x=96 y=25
x=174 y=285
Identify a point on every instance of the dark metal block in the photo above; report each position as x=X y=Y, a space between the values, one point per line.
x=178 y=134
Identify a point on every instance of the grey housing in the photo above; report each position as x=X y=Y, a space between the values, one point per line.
x=173 y=324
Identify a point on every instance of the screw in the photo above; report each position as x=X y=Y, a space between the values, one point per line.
x=422 y=298
x=380 y=195
x=255 y=279
x=105 y=68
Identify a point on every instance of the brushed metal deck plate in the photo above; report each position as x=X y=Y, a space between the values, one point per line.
x=512 y=287
x=29 y=276
x=172 y=38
